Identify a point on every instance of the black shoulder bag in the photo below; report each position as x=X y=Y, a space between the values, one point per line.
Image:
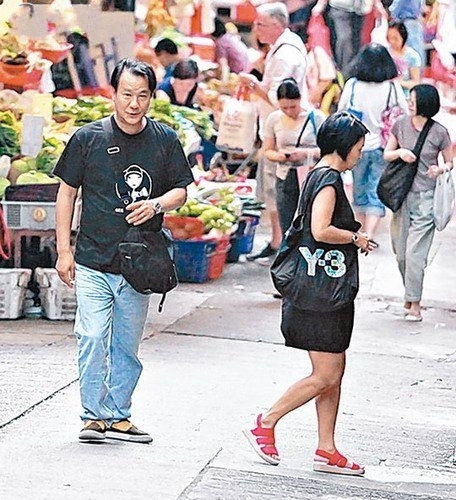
x=397 y=178
x=146 y=257
x=314 y=276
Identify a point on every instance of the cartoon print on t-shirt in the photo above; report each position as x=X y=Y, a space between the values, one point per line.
x=135 y=185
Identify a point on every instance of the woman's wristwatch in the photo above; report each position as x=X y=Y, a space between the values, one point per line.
x=355 y=238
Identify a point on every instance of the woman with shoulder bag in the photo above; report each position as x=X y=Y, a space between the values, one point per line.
x=325 y=217
x=412 y=226
x=290 y=140
x=368 y=95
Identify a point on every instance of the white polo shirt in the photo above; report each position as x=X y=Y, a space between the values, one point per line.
x=286 y=58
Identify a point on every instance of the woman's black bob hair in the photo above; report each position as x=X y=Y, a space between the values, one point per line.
x=374 y=64
x=136 y=68
x=288 y=89
x=184 y=70
x=427 y=100
x=219 y=30
x=400 y=27
x=339 y=133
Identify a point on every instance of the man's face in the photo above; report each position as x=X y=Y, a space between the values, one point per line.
x=267 y=29
x=165 y=58
x=131 y=101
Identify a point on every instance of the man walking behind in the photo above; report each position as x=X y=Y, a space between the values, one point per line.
x=286 y=59
x=130 y=169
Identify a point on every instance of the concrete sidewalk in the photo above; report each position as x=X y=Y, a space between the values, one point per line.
x=212 y=361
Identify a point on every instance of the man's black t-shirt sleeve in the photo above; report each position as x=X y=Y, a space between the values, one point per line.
x=70 y=167
x=180 y=175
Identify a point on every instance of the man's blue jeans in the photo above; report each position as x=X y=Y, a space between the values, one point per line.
x=109 y=322
x=366 y=176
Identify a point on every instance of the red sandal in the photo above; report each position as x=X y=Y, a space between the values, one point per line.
x=263 y=442
x=335 y=463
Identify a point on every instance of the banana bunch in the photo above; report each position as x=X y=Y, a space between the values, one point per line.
x=157 y=18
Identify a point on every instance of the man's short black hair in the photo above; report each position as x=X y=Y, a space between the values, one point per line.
x=136 y=68
x=374 y=64
x=339 y=133
x=166 y=45
x=427 y=100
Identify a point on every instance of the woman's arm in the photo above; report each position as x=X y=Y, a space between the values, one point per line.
x=270 y=151
x=393 y=152
x=415 y=78
x=320 y=223
x=307 y=154
x=436 y=170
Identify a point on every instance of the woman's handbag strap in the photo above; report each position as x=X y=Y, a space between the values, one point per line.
x=310 y=117
x=421 y=138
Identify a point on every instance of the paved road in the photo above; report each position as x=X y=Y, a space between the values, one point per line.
x=214 y=359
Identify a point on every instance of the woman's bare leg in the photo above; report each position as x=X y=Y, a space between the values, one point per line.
x=327 y=405
x=325 y=378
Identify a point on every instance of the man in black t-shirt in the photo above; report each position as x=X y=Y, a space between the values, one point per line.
x=130 y=169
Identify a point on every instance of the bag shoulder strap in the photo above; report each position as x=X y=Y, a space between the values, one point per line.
x=352 y=92
x=305 y=198
x=310 y=118
x=421 y=138
x=286 y=43
x=392 y=89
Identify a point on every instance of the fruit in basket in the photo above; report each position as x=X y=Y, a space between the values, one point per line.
x=212 y=217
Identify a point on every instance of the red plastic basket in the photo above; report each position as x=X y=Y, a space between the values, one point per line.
x=16 y=76
x=53 y=55
x=183 y=228
x=218 y=259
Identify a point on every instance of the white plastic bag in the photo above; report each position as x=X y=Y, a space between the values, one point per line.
x=379 y=32
x=443 y=200
x=237 y=128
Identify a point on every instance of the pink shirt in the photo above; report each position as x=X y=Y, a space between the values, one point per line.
x=231 y=47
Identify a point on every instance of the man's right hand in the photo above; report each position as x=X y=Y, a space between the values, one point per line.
x=65 y=268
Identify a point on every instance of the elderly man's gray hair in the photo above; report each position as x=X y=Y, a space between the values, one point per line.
x=275 y=10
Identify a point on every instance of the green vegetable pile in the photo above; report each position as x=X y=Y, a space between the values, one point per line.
x=49 y=154
x=200 y=119
x=10 y=130
x=180 y=117
x=84 y=109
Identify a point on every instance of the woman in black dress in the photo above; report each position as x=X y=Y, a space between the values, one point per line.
x=325 y=335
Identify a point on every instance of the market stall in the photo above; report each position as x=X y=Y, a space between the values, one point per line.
x=28 y=192
x=215 y=226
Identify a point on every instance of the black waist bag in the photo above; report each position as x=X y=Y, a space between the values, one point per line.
x=146 y=262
